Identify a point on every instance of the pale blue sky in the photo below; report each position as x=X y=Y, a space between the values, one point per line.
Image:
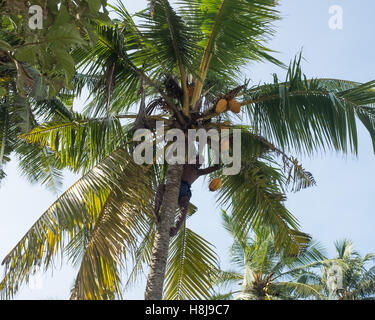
x=341 y=205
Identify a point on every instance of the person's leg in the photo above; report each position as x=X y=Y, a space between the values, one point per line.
x=184 y=206
x=158 y=200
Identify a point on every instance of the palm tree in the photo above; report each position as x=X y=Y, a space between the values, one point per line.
x=266 y=274
x=174 y=66
x=350 y=276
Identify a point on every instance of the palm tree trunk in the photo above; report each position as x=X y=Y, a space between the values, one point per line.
x=155 y=281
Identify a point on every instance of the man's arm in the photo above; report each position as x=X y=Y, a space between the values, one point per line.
x=209 y=170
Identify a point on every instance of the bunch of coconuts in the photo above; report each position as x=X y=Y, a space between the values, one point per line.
x=222 y=106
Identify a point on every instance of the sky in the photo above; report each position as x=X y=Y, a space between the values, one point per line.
x=340 y=206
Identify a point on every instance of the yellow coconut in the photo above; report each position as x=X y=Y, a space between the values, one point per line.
x=215 y=184
x=234 y=106
x=221 y=106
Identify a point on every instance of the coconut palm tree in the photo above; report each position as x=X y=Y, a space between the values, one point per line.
x=175 y=65
x=264 y=273
x=349 y=276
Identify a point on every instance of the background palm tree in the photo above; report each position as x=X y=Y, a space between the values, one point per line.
x=267 y=275
x=349 y=276
x=263 y=273
x=174 y=66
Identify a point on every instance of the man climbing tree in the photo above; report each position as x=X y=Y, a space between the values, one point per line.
x=190 y=173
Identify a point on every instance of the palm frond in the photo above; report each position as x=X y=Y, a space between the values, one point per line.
x=114 y=81
x=80 y=143
x=299 y=289
x=40 y=165
x=191 y=266
x=309 y=115
x=116 y=231
x=174 y=40
x=234 y=32
x=79 y=207
x=254 y=145
x=256 y=199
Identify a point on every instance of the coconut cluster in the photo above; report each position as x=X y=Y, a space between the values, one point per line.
x=223 y=104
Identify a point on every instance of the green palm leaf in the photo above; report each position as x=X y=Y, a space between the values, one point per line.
x=80 y=207
x=257 y=200
x=174 y=40
x=116 y=231
x=307 y=115
x=191 y=266
x=79 y=143
x=40 y=165
x=228 y=24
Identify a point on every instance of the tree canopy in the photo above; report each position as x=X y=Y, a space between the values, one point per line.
x=173 y=64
